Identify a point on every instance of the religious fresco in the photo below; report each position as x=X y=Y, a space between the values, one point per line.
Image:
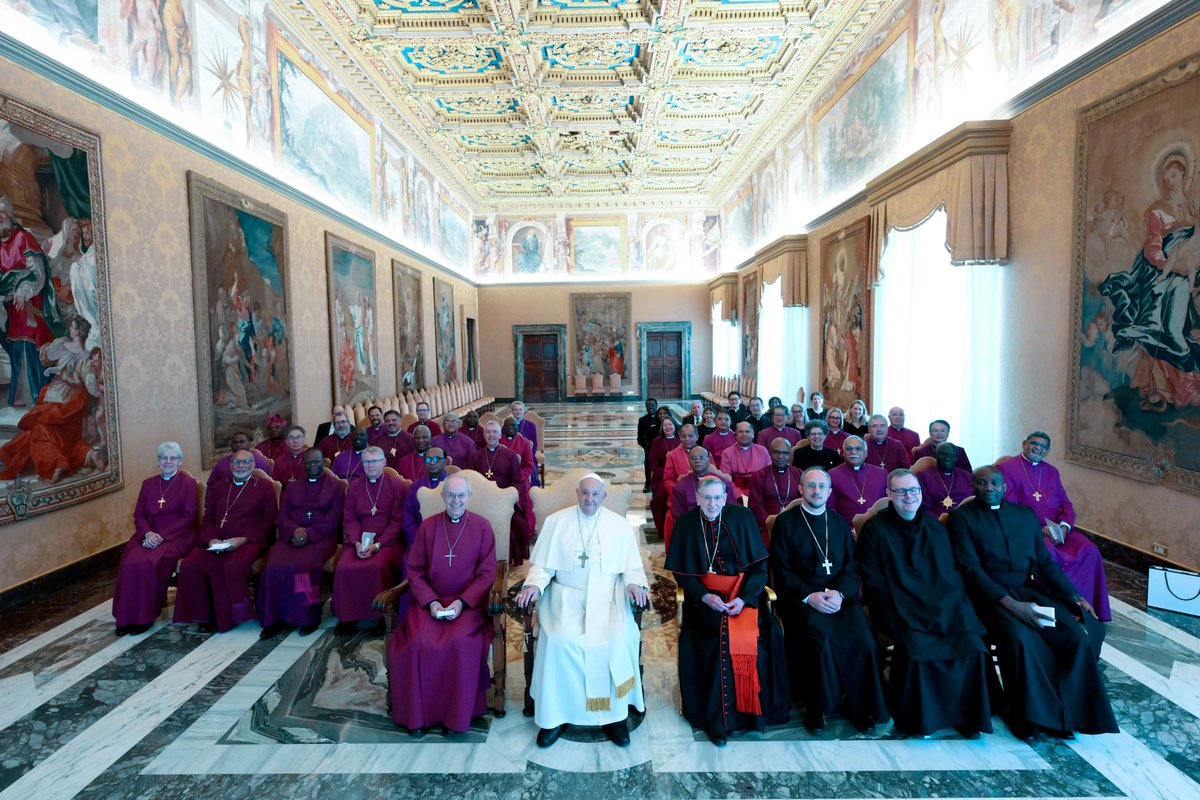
x=664 y=246
x=1134 y=406
x=751 y=301
x=528 y=249
x=455 y=240
x=845 y=315
x=243 y=346
x=597 y=245
x=739 y=227
x=410 y=362
x=444 y=331
x=353 y=343
x=232 y=77
x=600 y=326
x=710 y=244
x=57 y=369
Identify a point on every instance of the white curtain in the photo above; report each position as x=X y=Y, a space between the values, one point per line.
x=771 y=343
x=795 y=362
x=726 y=345
x=937 y=337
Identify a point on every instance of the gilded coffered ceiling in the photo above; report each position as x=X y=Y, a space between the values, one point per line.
x=545 y=104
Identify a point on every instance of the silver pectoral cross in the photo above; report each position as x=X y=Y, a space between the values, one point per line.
x=449 y=558
x=828 y=565
x=309 y=515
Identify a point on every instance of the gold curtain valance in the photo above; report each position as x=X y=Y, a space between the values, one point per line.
x=965 y=171
x=786 y=258
x=722 y=291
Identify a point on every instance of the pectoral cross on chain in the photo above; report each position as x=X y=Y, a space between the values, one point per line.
x=583 y=559
x=449 y=559
x=309 y=515
x=161 y=502
x=223 y=520
x=1037 y=496
x=828 y=565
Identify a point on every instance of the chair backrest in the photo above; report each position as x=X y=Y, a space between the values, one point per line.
x=923 y=463
x=861 y=519
x=771 y=519
x=258 y=473
x=487 y=500
x=406 y=420
x=561 y=494
x=540 y=424
x=614 y=383
x=489 y=416
x=1000 y=460
x=597 y=383
x=345 y=483
x=581 y=384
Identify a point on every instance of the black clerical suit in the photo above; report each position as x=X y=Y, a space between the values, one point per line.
x=647 y=432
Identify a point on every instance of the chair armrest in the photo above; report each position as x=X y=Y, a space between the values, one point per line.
x=771 y=596
x=387 y=601
x=499 y=590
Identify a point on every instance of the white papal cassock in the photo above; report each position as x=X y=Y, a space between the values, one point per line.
x=586 y=664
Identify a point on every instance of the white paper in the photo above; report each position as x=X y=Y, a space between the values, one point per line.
x=1057 y=534
x=1048 y=611
x=368 y=539
x=443 y=613
x=218 y=547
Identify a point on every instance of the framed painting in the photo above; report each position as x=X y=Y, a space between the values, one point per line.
x=845 y=315
x=410 y=364
x=60 y=441
x=352 y=315
x=600 y=326
x=751 y=300
x=443 y=330
x=243 y=334
x=1134 y=395
x=597 y=245
x=455 y=238
x=528 y=249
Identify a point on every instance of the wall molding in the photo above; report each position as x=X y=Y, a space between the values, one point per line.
x=973 y=138
x=519 y=332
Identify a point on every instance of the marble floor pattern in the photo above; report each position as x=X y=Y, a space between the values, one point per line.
x=175 y=712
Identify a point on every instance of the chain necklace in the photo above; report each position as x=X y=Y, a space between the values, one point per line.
x=712 y=558
x=826 y=563
x=948 y=502
x=230 y=500
x=162 y=494
x=450 y=547
x=787 y=492
x=1037 y=490
x=374 y=500
x=862 y=490
x=585 y=543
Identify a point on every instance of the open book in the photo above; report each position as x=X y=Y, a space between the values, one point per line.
x=1056 y=532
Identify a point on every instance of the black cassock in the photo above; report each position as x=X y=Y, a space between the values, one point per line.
x=705 y=666
x=1050 y=674
x=828 y=654
x=938 y=677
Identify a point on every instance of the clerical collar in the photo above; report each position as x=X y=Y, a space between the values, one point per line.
x=995 y=507
x=855 y=467
x=1031 y=463
x=455 y=519
x=236 y=482
x=781 y=471
x=373 y=480
x=493 y=449
x=167 y=477
x=744 y=446
x=810 y=509
x=359 y=452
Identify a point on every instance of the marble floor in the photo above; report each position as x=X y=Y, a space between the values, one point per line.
x=174 y=712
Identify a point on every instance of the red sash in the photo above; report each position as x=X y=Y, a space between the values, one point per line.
x=743 y=643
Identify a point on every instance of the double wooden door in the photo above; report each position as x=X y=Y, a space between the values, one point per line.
x=664 y=364
x=539 y=354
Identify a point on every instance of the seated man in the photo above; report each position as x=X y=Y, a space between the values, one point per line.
x=412 y=466
x=732 y=673
x=816 y=454
x=221 y=470
x=373 y=550
x=830 y=648
x=585 y=571
x=774 y=486
x=423 y=418
x=502 y=467
x=527 y=429
x=778 y=429
x=455 y=445
x=882 y=450
x=743 y=459
x=214 y=579
x=857 y=485
x=325 y=428
x=1051 y=680
x=945 y=486
x=310 y=522
x=683 y=495
x=375 y=430
x=722 y=438
x=471 y=427
x=939 y=431
x=395 y=442
x=164 y=531
x=348 y=463
x=1033 y=481
x=435 y=473
x=437 y=658
x=513 y=440
x=676 y=464
x=274 y=445
x=289 y=466
x=758 y=419
x=339 y=439
x=737 y=411
x=909 y=439
x=938 y=677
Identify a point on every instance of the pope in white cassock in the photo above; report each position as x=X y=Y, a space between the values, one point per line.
x=585 y=573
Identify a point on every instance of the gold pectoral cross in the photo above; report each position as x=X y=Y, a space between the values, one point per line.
x=488 y=474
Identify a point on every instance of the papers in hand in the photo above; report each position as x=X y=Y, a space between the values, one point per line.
x=1056 y=532
x=1046 y=611
x=442 y=613
x=368 y=539
x=220 y=547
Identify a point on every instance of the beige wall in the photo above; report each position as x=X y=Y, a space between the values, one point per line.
x=501 y=307
x=145 y=191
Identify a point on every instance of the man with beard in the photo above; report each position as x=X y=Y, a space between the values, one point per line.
x=395 y=442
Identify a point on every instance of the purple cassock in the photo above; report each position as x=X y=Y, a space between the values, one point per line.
x=375 y=507
x=434 y=428
x=856 y=489
x=503 y=467
x=272 y=448
x=348 y=465
x=290 y=588
x=524 y=450
x=770 y=434
x=716 y=444
x=529 y=431
x=332 y=444
x=1040 y=487
x=887 y=456
x=683 y=495
x=937 y=486
x=770 y=492
x=928 y=449
x=437 y=669
x=412 y=466
x=907 y=438
x=459 y=447
x=220 y=470
x=659 y=448
x=836 y=439
x=214 y=588
x=475 y=433
x=741 y=463
x=144 y=572
x=411 y=519
x=396 y=447
x=289 y=467
x=375 y=434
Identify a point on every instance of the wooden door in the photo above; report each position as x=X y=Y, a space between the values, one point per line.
x=664 y=364
x=540 y=357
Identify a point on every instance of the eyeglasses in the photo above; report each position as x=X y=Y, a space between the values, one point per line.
x=241 y=462
x=170 y=459
x=432 y=459
x=1036 y=445
x=911 y=492
x=373 y=460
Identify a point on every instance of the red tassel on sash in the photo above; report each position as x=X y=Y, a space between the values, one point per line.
x=743 y=643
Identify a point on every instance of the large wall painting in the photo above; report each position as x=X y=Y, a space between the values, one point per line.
x=600 y=325
x=597 y=245
x=455 y=239
x=59 y=433
x=410 y=366
x=845 y=315
x=739 y=228
x=1134 y=406
x=751 y=301
x=444 y=331
x=243 y=341
x=352 y=315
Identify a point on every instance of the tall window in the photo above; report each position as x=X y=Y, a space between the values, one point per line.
x=936 y=338
x=726 y=345
x=782 y=346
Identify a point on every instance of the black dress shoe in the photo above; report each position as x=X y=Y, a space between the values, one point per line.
x=967 y=731
x=418 y=733
x=137 y=630
x=122 y=630
x=1066 y=736
x=270 y=630
x=548 y=736
x=863 y=724
x=206 y=627
x=1021 y=730
x=814 y=722
x=617 y=733
x=717 y=738
x=305 y=630
x=345 y=628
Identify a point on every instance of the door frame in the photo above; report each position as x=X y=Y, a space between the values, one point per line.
x=519 y=333
x=685 y=341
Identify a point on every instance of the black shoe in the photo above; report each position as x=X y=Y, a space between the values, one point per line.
x=270 y=630
x=718 y=739
x=548 y=736
x=380 y=628
x=305 y=630
x=345 y=628
x=1021 y=730
x=418 y=733
x=1066 y=736
x=646 y=489
x=206 y=627
x=814 y=722
x=967 y=731
x=863 y=724
x=137 y=630
x=122 y=630
x=617 y=733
